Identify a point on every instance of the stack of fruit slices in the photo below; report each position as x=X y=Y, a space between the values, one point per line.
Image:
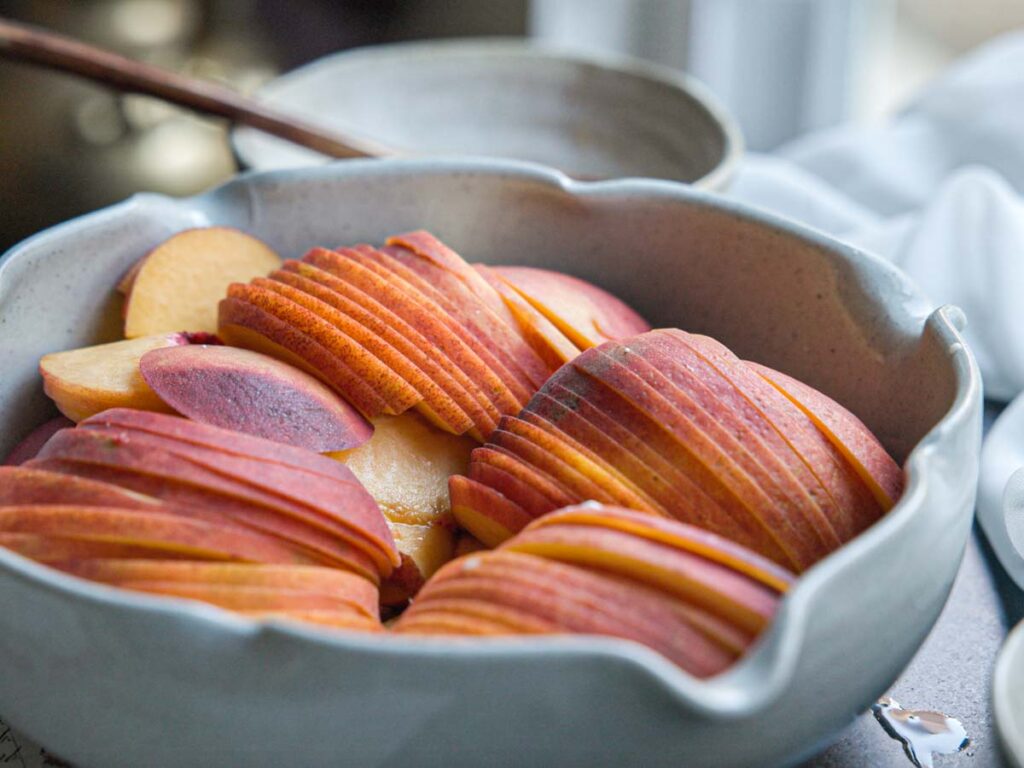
x=641 y=484
x=412 y=325
x=146 y=486
x=694 y=597
x=675 y=425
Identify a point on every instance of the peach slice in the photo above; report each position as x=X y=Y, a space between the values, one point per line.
x=429 y=318
x=249 y=392
x=534 y=502
x=88 y=380
x=547 y=341
x=372 y=387
x=708 y=585
x=691 y=445
x=346 y=590
x=459 y=317
x=379 y=319
x=339 y=521
x=846 y=432
x=178 y=284
x=48 y=549
x=35 y=440
x=701 y=500
x=443 y=398
x=477 y=301
x=817 y=515
x=818 y=453
x=525 y=590
x=27 y=485
x=678 y=535
x=197 y=538
x=484 y=512
x=223 y=440
x=586 y=314
x=405 y=467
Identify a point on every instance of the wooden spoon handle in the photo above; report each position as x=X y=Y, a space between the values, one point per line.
x=30 y=44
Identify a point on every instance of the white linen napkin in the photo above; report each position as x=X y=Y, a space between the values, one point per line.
x=938 y=190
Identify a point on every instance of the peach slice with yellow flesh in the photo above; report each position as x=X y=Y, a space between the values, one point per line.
x=27 y=485
x=477 y=301
x=711 y=586
x=586 y=314
x=693 y=376
x=533 y=502
x=579 y=485
x=525 y=472
x=389 y=263
x=223 y=440
x=572 y=599
x=416 y=347
x=249 y=392
x=430 y=398
x=373 y=388
x=345 y=534
x=710 y=466
x=467 y=544
x=675 y=534
x=343 y=505
x=846 y=432
x=581 y=458
x=350 y=591
x=30 y=445
x=178 y=284
x=469 y=615
x=487 y=514
x=540 y=333
x=790 y=423
x=405 y=468
x=88 y=380
x=570 y=422
x=152 y=530
x=443 y=398
x=48 y=549
x=706 y=499
x=694 y=403
x=428 y=317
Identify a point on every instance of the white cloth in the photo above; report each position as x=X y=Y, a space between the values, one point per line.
x=938 y=190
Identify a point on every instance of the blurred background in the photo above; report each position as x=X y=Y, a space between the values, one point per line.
x=783 y=67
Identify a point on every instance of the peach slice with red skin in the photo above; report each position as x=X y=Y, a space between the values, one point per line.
x=27 y=485
x=153 y=530
x=444 y=399
x=846 y=432
x=177 y=285
x=540 y=333
x=484 y=512
x=379 y=319
x=431 y=401
x=790 y=423
x=431 y=319
x=243 y=586
x=373 y=388
x=223 y=440
x=815 y=514
x=30 y=445
x=586 y=314
x=248 y=392
x=477 y=301
x=47 y=549
x=696 y=580
x=304 y=517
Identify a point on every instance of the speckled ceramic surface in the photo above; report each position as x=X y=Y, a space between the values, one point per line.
x=112 y=679
x=590 y=116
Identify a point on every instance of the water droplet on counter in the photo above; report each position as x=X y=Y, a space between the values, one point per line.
x=921 y=732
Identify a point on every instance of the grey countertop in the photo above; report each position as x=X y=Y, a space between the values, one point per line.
x=952 y=673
